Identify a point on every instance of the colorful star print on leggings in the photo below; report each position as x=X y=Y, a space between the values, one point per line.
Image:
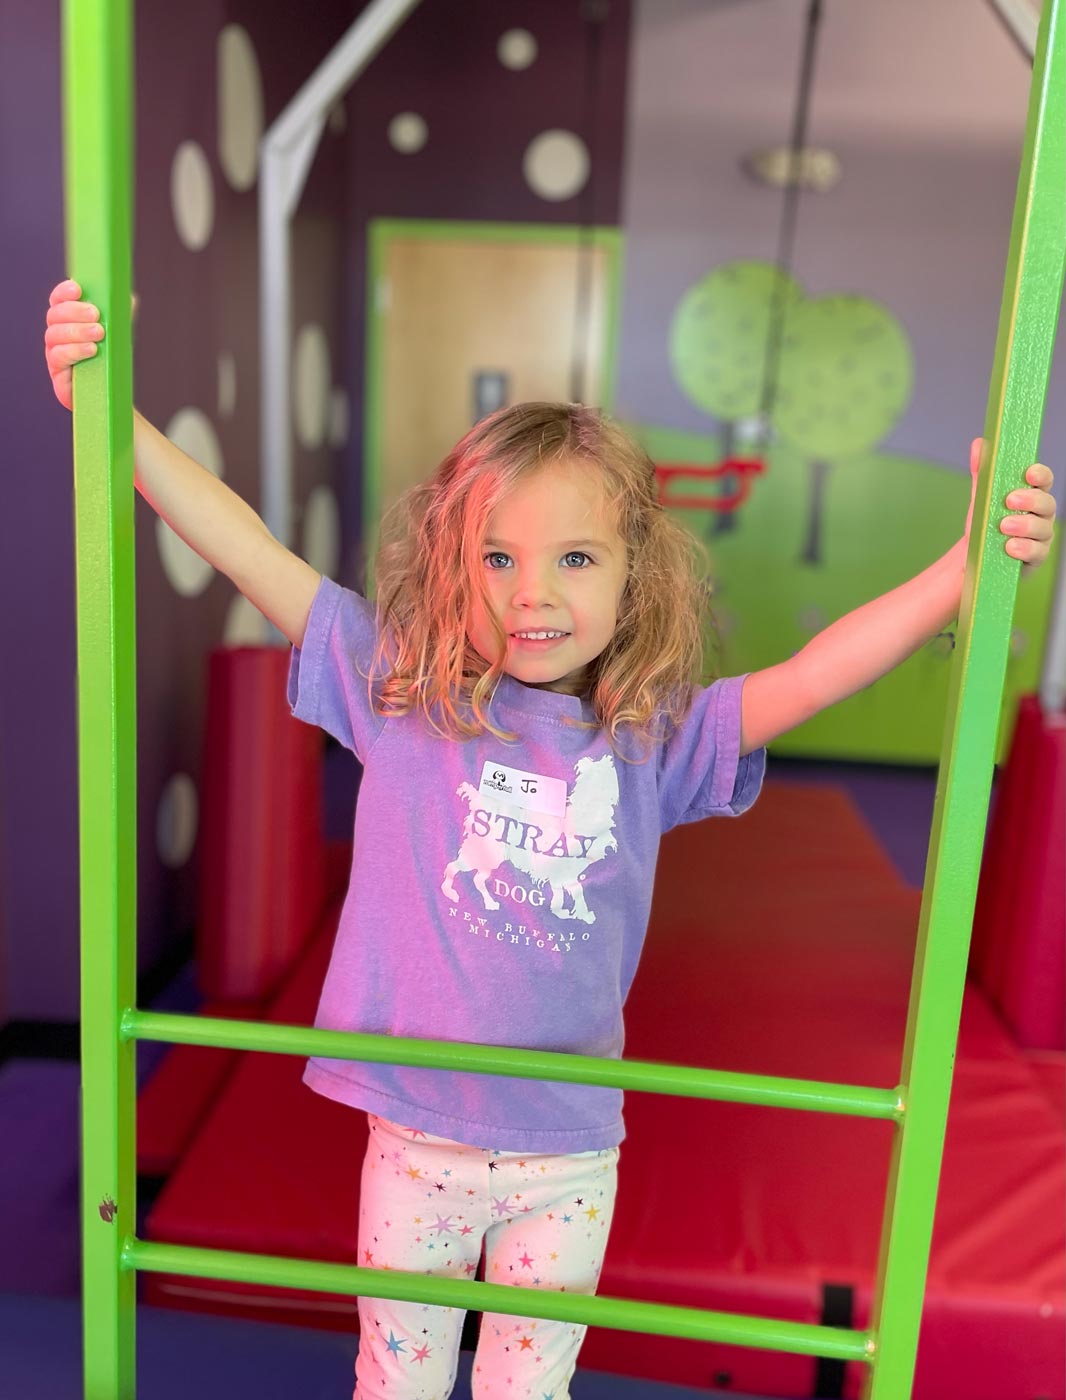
x=428 y=1206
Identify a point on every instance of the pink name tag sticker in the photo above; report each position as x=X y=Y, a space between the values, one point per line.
x=532 y=792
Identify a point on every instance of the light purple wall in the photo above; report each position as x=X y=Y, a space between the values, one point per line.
x=37 y=792
x=194 y=305
x=925 y=106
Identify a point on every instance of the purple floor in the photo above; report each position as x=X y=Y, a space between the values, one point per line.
x=40 y=1359
x=39 y=1214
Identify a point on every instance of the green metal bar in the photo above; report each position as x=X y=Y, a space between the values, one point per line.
x=663 y=1319
x=1024 y=345
x=97 y=87
x=678 y=1080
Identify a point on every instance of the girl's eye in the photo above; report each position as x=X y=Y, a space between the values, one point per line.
x=574 y=559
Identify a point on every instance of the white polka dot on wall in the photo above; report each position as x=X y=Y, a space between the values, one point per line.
x=176 y=821
x=556 y=164
x=322 y=532
x=245 y=625
x=192 y=196
x=187 y=573
x=408 y=133
x=240 y=107
x=339 y=417
x=227 y=385
x=311 y=385
x=517 y=49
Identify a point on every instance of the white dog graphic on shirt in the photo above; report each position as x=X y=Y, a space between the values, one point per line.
x=552 y=850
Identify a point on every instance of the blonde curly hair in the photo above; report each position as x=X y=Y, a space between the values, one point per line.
x=429 y=574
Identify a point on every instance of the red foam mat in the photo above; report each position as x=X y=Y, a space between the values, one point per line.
x=1049 y=1070
x=1019 y=938
x=780 y=944
x=177 y=1098
x=188 y=1079
x=262 y=876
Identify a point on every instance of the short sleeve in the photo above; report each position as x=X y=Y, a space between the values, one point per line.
x=701 y=773
x=328 y=674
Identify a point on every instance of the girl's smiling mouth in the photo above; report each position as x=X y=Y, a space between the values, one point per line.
x=539 y=640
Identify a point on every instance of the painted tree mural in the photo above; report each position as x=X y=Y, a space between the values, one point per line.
x=718 y=342
x=843 y=373
x=845 y=378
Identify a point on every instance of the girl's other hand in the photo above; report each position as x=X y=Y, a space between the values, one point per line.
x=1029 y=534
x=73 y=333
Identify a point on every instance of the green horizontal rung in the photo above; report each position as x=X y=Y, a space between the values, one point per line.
x=663 y=1319
x=769 y=1091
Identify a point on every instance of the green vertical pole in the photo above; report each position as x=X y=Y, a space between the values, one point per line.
x=97 y=87
x=1031 y=295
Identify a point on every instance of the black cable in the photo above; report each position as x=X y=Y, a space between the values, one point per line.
x=594 y=13
x=787 y=232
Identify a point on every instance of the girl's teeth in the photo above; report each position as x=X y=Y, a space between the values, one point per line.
x=539 y=636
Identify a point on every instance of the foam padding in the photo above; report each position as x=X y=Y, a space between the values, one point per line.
x=180 y=1092
x=262 y=873
x=1019 y=936
x=781 y=943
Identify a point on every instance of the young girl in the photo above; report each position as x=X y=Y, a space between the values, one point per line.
x=523 y=701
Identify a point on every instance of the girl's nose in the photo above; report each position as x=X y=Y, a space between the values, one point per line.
x=535 y=590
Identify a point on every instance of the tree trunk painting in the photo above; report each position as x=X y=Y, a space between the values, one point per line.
x=812 y=551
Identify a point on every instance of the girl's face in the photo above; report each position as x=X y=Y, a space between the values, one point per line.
x=554 y=563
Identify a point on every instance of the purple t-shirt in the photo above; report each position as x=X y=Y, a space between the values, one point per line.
x=499 y=892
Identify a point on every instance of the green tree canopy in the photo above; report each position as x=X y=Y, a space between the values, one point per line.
x=719 y=336
x=845 y=376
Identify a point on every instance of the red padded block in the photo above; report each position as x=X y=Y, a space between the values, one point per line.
x=810 y=978
x=189 y=1078
x=1049 y=1070
x=994 y=1346
x=262 y=865
x=274 y=1169
x=1019 y=936
x=182 y=1089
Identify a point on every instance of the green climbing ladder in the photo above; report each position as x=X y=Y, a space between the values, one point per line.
x=97 y=52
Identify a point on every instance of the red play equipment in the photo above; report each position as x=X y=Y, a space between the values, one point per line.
x=1018 y=952
x=744 y=468
x=720 y=1205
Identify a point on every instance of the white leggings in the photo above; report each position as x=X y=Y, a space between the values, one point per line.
x=427 y=1205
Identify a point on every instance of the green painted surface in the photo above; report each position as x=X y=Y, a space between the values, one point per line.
x=719 y=334
x=885 y=518
x=97 y=85
x=848 y=1099
x=663 y=1319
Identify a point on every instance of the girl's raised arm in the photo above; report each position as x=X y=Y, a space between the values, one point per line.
x=209 y=517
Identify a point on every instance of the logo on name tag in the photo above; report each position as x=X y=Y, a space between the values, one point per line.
x=533 y=792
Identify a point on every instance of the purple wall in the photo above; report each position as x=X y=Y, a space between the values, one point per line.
x=37 y=791
x=195 y=305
